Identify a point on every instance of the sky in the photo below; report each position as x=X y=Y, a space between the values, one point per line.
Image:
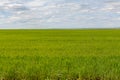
x=57 y=14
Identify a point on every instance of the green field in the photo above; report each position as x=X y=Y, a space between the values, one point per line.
x=59 y=54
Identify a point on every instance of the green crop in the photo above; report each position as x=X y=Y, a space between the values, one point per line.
x=60 y=54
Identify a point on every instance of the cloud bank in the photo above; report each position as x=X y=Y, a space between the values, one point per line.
x=59 y=13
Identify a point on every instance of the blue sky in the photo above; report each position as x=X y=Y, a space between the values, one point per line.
x=59 y=14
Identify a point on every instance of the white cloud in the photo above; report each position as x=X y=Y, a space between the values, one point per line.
x=112 y=6
x=40 y=11
x=65 y=12
x=36 y=3
x=43 y=11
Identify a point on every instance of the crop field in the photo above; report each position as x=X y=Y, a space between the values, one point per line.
x=60 y=54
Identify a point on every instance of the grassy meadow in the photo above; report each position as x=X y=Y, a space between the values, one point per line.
x=59 y=54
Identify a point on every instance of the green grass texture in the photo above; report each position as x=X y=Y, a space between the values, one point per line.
x=60 y=54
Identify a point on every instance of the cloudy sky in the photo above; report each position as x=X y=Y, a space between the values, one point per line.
x=59 y=13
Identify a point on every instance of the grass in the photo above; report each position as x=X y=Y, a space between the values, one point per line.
x=59 y=54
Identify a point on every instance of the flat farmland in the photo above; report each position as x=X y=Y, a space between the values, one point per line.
x=60 y=54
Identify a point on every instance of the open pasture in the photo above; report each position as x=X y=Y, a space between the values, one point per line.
x=60 y=54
